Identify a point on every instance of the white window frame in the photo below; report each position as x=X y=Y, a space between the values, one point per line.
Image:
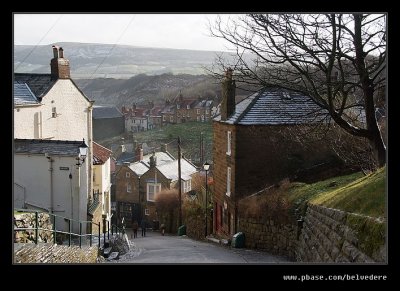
x=198 y=111
x=187 y=106
x=228 y=142
x=186 y=186
x=127 y=175
x=129 y=188
x=228 y=181
x=146 y=211
x=171 y=119
x=163 y=118
x=156 y=185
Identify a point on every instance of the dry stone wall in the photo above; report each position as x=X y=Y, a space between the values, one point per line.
x=267 y=234
x=27 y=220
x=55 y=254
x=330 y=235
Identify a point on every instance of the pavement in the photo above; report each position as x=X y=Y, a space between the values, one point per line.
x=171 y=249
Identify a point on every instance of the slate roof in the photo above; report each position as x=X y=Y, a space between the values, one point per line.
x=39 y=84
x=51 y=147
x=100 y=154
x=276 y=106
x=23 y=95
x=170 y=170
x=100 y=112
x=141 y=167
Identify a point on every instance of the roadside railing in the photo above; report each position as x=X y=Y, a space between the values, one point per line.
x=54 y=230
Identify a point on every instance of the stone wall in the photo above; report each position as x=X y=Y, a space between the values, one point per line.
x=331 y=235
x=54 y=254
x=267 y=234
x=27 y=220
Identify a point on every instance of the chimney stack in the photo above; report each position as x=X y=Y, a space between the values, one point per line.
x=138 y=153
x=153 y=161
x=58 y=65
x=228 y=95
x=164 y=147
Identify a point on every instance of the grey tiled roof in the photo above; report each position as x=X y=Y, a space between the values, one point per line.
x=51 y=147
x=100 y=112
x=23 y=95
x=39 y=84
x=274 y=106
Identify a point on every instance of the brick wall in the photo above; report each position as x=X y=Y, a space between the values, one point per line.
x=260 y=156
x=331 y=235
x=122 y=182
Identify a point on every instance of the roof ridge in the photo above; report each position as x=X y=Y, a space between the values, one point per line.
x=247 y=109
x=102 y=146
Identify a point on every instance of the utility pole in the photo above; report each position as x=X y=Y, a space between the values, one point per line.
x=201 y=149
x=179 y=181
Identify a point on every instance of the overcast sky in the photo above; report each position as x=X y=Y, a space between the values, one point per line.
x=181 y=31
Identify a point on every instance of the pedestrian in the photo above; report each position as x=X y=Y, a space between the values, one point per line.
x=162 y=229
x=135 y=227
x=143 y=226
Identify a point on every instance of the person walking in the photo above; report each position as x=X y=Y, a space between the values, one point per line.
x=143 y=227
x=135 y=227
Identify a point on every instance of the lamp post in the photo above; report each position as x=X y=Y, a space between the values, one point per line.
x=80 y=160
x=82 y=153
x=206 y=167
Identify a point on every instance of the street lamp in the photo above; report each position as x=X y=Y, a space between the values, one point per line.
x=206 y=167
x=82 y=153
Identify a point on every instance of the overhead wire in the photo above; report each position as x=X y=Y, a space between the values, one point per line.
x=31 y=51
x=112 y=48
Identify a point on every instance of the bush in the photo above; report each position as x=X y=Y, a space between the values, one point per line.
x=167 y=205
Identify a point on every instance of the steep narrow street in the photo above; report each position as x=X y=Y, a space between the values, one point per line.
x=157 y=249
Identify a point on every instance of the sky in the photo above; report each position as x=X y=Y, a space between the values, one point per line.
x=180 y=31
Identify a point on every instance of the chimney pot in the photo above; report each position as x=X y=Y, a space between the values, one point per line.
x=61 y=53
x=58 y=65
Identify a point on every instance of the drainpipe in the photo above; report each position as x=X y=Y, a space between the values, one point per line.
x=90 y=149
x=50 y=160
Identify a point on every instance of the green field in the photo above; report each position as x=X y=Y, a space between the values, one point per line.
x=352 y=193
x=190 y=138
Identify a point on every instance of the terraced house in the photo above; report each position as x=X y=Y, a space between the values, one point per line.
x=52 y=119
x=138 y=183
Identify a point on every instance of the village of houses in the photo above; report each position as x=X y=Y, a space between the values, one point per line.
x=61 y=169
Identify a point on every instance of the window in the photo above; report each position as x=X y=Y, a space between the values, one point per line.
x=152 y=190
x=228 y=142
x=228 y=182
x=129 y=188
x=198 y=111
x=53 y=112
x=163 y=118
x=187 y=106
x=94 y=176
x=186 y=186
x=127 y=175
x=178 y=106
x=198 y=118
x=146 y=211
x=171 y=118
x=207 y=111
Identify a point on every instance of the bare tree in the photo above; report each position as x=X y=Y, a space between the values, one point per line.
x=339 y=60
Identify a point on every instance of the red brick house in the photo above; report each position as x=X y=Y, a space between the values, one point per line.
x=251 y=149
